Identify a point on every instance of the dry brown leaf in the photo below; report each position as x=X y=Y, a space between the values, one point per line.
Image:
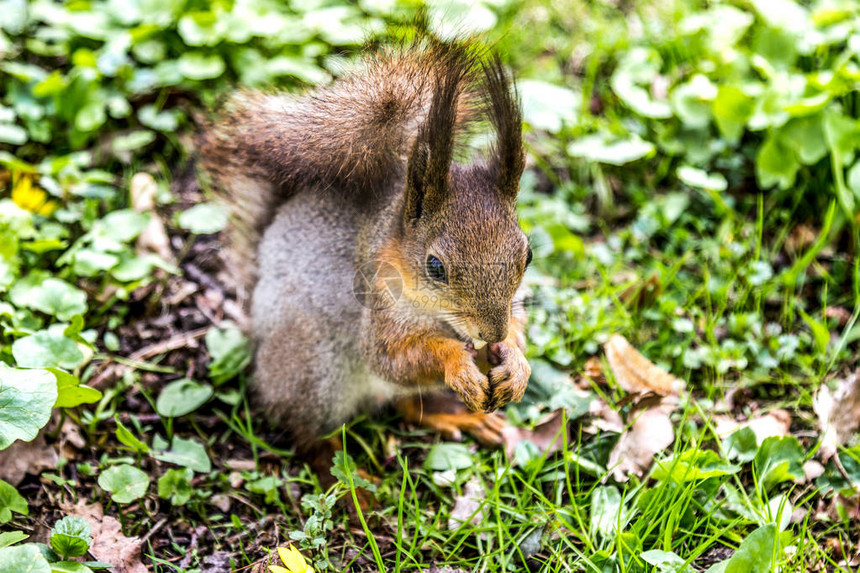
x=838 y=413
x=651 y=432
x=109 y=544
x=22 y=458
x=154 y=238
x=635 y=373
x=546 y=435
x=605 y=418
x=777 y=422
x=467 y=507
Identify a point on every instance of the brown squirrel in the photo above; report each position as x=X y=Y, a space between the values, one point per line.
x=380 y=266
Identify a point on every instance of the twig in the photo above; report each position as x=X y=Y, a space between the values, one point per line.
x=111 y=370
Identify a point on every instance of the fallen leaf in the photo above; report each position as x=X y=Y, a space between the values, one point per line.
x=154 y=237
x=594 y=369
x=651 y=432
x=635 y=373
x=776 y=422
x=605 y=418
x=546 y=435
x=22 y=458
x=811 y=470
x=467 y=507
x=838 y=413
x=840 y=313
x=109 y=544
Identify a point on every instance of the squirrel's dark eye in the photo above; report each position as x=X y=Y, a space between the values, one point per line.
x=529 y=257
x=436 y=269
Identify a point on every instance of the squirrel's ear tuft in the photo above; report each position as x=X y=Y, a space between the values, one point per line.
x=432 y=153
x=503 y=109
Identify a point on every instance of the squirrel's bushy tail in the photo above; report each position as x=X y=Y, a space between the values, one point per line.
x=353 y=135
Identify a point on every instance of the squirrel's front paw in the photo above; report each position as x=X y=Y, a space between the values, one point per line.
x=467 y=380
x=509 y=377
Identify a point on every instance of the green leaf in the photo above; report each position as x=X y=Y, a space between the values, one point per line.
x=632 y=79
x=451 y=19
x=12 y=134
x=344 y=468
x=8 y=538
x=47 y=349
x=692 y=101
x=175 y=485
x=779 y=459
x=121 y=226
x=754 y=554
x=126 y=483
x=203 y=219
x=161 y=121
x=187 y=453
x=230 y=351
x=23 y=559
x=200 y=66
x=70 y=537
x=547 y=106
x=806 y=136
x=92 y=115
x=693 y=465
x=26 y=400
x=741 y=445
x=820 y=333
x=125 y=436
x=666 y=561
x=182 y=397
x=11 y=500
x=701 y=179
x=776 y=164
x=732 y=108
x=606 y=511
x=448 y=456
x=69 y=567
x=70 y=392
x=132 y=141
x=596 y=148
x=52 y=296
x=90 y=262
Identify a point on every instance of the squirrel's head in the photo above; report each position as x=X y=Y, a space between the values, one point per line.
x=463 y=246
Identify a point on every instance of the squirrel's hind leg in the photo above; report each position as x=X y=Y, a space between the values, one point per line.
x=447 y=415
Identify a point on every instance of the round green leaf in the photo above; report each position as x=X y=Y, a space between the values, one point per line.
x=26 y=400
x=702 y=179
x=14 y=134
x=71 y=537
x=23 y=559
x=595 y=148
x=54 y=297
x=203 y=219
x=47 y=349
x=187 y=453
x=199 y=66
x=448 y=456
x=182 y=397
x=11 y=500
x=126 y=483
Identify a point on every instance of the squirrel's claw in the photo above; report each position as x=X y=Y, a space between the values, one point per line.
x=509 y=379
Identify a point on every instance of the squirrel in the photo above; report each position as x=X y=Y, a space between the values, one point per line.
x=380 y=267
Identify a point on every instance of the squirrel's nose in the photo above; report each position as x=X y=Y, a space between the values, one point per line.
x=493 y=335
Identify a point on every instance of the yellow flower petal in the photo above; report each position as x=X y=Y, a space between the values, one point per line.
x=31 y=198
x=277 y=569
x=293 y=559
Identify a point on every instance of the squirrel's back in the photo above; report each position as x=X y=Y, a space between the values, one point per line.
x=352 y=136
